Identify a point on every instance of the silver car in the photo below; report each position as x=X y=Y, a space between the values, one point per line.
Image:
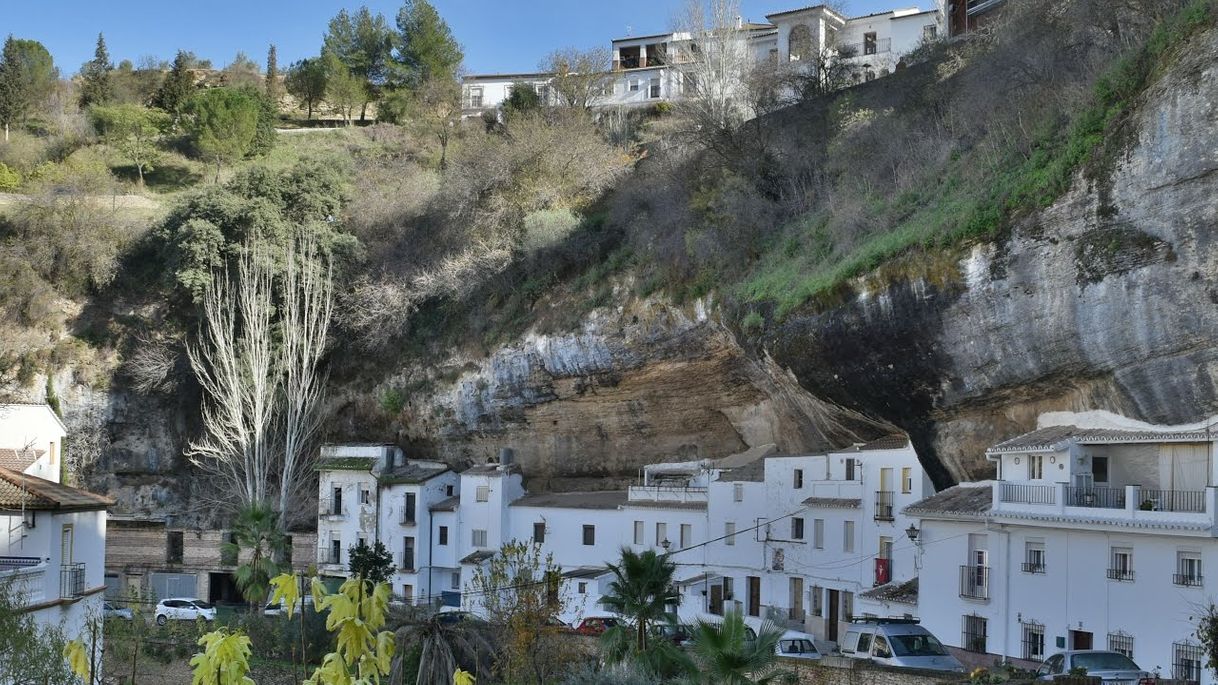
x=184 y=609
x=1111 y=667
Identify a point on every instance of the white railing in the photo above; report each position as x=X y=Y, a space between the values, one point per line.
x=27 y=583
x=841 y=489
x=666 y=493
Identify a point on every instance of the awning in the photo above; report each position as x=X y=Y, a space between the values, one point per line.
x=698 y=579
x=585 y=573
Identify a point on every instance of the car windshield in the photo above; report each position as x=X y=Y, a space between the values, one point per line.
x=917 y=645
x=796 y=646
x=1104 y=661
x=202 y=605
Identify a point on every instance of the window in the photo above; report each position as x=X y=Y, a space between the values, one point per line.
x=287 y=550
x=818 y=606
x=408 y=553
x=847 y=605
x=864 y=644
x=653 y=88
x=687 y=534
x=638 y=532
x=408 y=593
x=661 y=534
x=869 y=74
x=851 y=468
x=738 y=492
x=1099 y=469
x=633 y=85
x=336 y=550
x=880 y=648
x=689 y=84
x=365 y=496
x=818 y=533
x=1121 y=567
x=1186 y=661
x=1122 y=642
x=474 y=97
x=455 y=580
x=869 y=43
x=443 y=535
x=1033 y=641
x=336 y=503
x=1034 y=555
x=589 y=535
x=973 y=634
x=478 y=538
x=539 y=532
x=797 y=528
x=930 y=32
x=848 y=536
x=1188 y=569
x=1036 y=466
x=409 y=507
x=543 y=93
x=729 y=532
x=174 y=549
x=448 y=491
x=582 y=588
x=906 y=480
x=482 y=494
x=885 y=547
x=799 y=479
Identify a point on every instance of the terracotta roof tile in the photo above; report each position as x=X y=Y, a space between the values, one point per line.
x=19 y=459
x=19 y=490
x=970 y=501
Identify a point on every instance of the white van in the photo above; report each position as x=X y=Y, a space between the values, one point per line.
x=897 y=642
x=797 y=645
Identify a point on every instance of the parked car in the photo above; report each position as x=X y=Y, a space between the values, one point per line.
x=897 y=642
x=678 y=633
x=449 y=618
x=555 y=622
x=596 y=625
x=184 y=609
x=111 y=611
x=1098 y=663
x=279 y=608
x=796 y=645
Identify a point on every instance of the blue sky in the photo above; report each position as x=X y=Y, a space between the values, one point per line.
x=498 y=35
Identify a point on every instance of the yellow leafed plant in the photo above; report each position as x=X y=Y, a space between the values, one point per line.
x=78 y=659
x=225 y=659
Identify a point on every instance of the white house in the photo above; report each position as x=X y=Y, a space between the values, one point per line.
x=646 y=70
x=53 y=550
x=1095 y=535
x=31 y=440
x=372 y=493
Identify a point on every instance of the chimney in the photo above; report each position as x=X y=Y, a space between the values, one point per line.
x=739 y=22
x=506 y=455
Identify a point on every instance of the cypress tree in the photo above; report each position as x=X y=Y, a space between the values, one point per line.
x=272 y=75
x=95 y=86
x=177 y=88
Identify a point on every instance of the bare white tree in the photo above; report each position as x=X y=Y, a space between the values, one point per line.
x=235 y=363
x=715 y=63
x=307 y=300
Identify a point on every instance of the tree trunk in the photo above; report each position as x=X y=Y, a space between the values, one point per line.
x=6 y=131
x=363 y=111
x=217 y=170
x=139 y=168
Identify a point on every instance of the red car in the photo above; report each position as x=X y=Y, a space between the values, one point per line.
x=596 y=625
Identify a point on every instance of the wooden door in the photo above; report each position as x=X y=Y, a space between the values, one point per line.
x=833 y=603
x=1080 y=639
x=754 y=608
x=716 y=600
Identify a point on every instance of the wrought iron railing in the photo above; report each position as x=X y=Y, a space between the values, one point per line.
x=1033 y=567
x=975 y=582
x=1182 y=501
x=327 y=556
x=1123 y=574
x=10 y=563
x=1095 y=497
x=71 y=580
x=1187 y=579
x=883 y=505
x=1023 y=493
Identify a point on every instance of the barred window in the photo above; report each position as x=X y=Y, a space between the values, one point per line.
x=1033 y=641
x=1122 y=642
x=817 y=599
x=1186 y=662
x=974 y=632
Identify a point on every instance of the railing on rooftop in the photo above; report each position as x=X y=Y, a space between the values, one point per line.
x=667 y=493
x=1184 y=501
x=1024 y=493
x=71 y=580
x=1095 y=497
x=10 y=563
x=880 y=46
x=883 y=505
x=975 y=582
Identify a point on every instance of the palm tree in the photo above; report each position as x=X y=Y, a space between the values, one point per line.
x=441 y=645
x=728 y=655
x=641 y=591
x=256 y=530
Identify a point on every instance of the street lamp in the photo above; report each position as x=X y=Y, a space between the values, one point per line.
x=665 y=544
x=912 y=532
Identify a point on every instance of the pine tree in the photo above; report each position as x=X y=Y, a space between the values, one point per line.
x=95 y=86
x=426 y=48
x=177 y=88
x=272 y=75
x=27 y=77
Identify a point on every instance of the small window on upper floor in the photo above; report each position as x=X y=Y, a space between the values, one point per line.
x=589 y=535
x=1036 y=466
x=738 y=492
x=930 y=32
x=482 y=493
x=798 y=479
x=365 y=496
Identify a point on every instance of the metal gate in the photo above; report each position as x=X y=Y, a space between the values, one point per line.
x=165 y=585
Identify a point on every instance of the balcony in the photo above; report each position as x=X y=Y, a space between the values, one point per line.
x=1187 y=579
x=71 y=580
x=865 y=49
x=1181 y=501
x=975 y=582
x=1121 y=575
x=1033 y=567
x=407 y=518
x=328 y=557
x=13 y=563
x=1025 y=493
x=883 y=571
x=1124 y=502
x=1095 y=497
x=883 y=505
x=680 y=494
x=331 y=508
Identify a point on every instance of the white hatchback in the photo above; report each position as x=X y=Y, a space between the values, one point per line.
x=184 y=609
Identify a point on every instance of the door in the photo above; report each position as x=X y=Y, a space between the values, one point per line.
x=754 y=608
x=1080 y=639
x=797 y=599
x=716 y=600
x=65 y=545
x=886 y=480
x=833 y=603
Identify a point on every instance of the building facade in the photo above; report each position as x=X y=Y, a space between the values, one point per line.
x=31 y=440
x=1096 y=535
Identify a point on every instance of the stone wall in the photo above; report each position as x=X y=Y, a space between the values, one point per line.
x=833 y=670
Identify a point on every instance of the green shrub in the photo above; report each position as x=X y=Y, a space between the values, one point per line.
x=752 y=322
x=9 y=178
x=393 y=401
